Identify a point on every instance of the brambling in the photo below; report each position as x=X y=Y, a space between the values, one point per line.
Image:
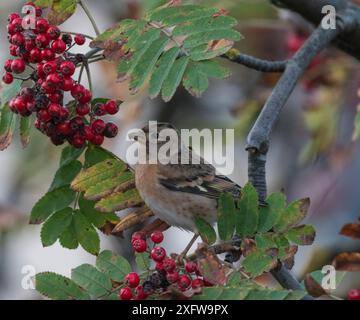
x=177 y=193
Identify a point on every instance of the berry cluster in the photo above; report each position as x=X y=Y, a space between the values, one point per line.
x=42 y=54
x=166 y=271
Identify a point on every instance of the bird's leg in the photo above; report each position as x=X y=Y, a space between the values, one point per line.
x=187 y=248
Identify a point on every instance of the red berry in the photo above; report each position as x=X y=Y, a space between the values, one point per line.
x=12 y=16
x=139 y=245
x=66 y=84
x=86 y=97
x=48 y=87
x=125 y=293
x=77 y=123
x=354 y=294
x=98 y=126
x=140 y=294
x=77 y=91
x=64 y=128
x=67 y=68
x=98 y=140
x=18 y=65
x=138 y=235
x=79 y=39
x=89 y=135
x=13 y=50
x=42 y=25
x=159 y=266
x=132 y=279
x=29 y=44
x=54 y=109
x=82 y=109
x=64 y=114
x=111 y=107
x=169 y=264
x=197 y=283
x=42 y=40
x=158 y=254
x=111 y=130
x=35 y=55
x=58 y=46
x=53 y=32
x=47 y=54
x=7 y=65
x=184 y=282
x=49 y=67
x=190 y=266
x=208 y=283
x=55 y=97
x=8 y=78
x=18 y=39
x=78 y=142
x=53 y=79
x=156 y=236
x=17 y=24
x=99 y=110
x=19 y=104
x=172 y=277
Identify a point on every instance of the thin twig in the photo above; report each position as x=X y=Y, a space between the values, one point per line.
x=91 y=18
x=255 y=63
x=76 y=33
x=81 y=72
x=88 y=73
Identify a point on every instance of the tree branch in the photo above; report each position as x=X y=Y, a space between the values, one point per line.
x=255 y=63
x=259 y=136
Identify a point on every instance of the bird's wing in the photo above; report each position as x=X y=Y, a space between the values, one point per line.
x=198 y=179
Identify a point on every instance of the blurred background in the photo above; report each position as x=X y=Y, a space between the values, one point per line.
x=312 y=153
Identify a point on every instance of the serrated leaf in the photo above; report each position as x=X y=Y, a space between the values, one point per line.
x=25 y=125
x=265 y=241
x=207 y=36
x=68 y=237
x=147 y=62
x=132 y=219
x=247 y=215
x=69 y=154
x=226 y=216
x=98 y=219
x=86 y=233
x=58 y=287
x=194 y=81
x=162 y=70
x=267 y=295
x=173 y=79
x=61 y=10
x=270 y=215
x=43 y=3
x=119 y=201
x=95 y=154
x=98 y=173
x=95 y=282
x=50 y=203
x=347 y=261
x=302 y=235
x=257 y=262
x=66 y=174
x=116 y=267
x=55 y=226
x=293 y=214
x=7 y=127
x=206 y=231
x=142 y=261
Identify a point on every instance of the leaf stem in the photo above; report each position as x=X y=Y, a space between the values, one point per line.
x=91 y=18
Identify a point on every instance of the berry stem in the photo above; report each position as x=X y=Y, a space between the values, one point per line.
x=81 y=72
x=75 y=33
x=91 y=18
x=88 y=73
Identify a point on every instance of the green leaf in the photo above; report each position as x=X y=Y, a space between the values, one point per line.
x=86 y=233
x=69 y=154
x=66 y=174
x=318 y=276
x=55 y=226
x=95 y=154
x=247 y=215
x=58 y=287
x=265 y=241
x=68 y=237
x=206 y=231
x=267 y=295
x=293 y=214
x=162 y=70
x=301 y=235
x=44 y=3
x=116 y=267
x=50 y=203
x=25 y=125
x=207 y=36
x=92 y=280
x=226 y=216
x=61 y=10
x=271 y=214
x=98 y=219
x=142 y=261
x=173 y=79
x=119 y=201
x=257 y=263
x=7 y=127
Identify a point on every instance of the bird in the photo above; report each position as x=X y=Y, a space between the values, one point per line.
x=177 y=193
